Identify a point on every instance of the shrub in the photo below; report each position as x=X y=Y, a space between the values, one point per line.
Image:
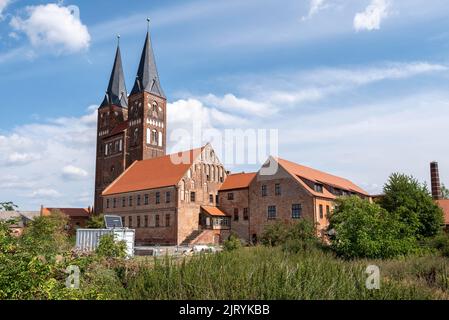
x=275 y=234
x=95 y=222
x=46 y=235
x=413 y=205
x=110 y=248
x=293 y=237
x=232 y=243
x=363 y=229
x=441 y=243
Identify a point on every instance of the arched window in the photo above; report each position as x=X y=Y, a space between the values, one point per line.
x=182 y=189
x=154 y=136
x=135 y=135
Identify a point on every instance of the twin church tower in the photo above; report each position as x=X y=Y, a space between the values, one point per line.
x=130 y=127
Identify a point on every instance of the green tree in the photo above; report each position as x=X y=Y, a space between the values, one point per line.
x=360 y=229
x=47 y=235
x=301 y=233
x=444 y=192
x=232 y=243
x=412 y=203
x=110 y=248
x=8 y=206
x=95 y=222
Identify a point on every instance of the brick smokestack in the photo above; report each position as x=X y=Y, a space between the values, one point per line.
x=435 y=181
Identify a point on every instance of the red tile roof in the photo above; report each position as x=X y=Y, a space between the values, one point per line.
x=71 y=212
x=317 y=176
x=213 y=211
x=444 y=204
x=237 y=181
x=153 y=173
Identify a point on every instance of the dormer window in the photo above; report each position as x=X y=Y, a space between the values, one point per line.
x=318 y=187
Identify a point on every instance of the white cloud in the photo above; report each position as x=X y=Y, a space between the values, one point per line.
x=53 y=27
x=231 y=103
x=72 y=172
x=45 y=193
x=3 y=5
x=315 y=7
x=17 y=158
x=371 y=18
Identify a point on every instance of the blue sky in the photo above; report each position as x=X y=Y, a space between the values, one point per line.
x=358 y=88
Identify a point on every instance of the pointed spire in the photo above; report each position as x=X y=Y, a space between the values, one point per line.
x=147 y=78
x=116 y=92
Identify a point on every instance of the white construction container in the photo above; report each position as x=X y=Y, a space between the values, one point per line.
x=89 y=239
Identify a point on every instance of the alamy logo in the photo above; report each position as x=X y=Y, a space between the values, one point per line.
x=73 y=279
x=373 y=280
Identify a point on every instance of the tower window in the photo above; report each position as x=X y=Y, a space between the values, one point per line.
x=192 y=196
x=211 y=198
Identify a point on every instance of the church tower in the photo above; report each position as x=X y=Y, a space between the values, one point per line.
x=147 y=117
x=111 y=132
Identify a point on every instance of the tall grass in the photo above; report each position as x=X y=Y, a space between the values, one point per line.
x=271 y=273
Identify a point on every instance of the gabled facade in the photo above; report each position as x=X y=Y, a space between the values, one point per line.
x=161 y=198
x=281 y=191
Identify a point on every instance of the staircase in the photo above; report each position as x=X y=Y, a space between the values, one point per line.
x=191 y=237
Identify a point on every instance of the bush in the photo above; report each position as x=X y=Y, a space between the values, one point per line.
x=365 y=230
x=95 y=222
x=232 y=243
x=412 y=203
x=110 y=248
x=46 y=235
x=441 y=243
x=293 y=237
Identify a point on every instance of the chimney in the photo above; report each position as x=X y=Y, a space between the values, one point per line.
x=435 y=181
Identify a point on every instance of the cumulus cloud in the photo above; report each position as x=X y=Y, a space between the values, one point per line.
x=17 y=158
x=314 y=7
x=72 y=172
x=371 y=18
x=53 y=26
x=45 y=193
x=3 y=5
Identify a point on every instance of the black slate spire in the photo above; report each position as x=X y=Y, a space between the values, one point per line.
x=116 y=92
x=147 y=78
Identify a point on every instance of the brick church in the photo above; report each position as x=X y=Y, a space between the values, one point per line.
x=189 y=197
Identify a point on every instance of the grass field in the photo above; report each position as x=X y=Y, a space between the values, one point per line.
x=271 y=273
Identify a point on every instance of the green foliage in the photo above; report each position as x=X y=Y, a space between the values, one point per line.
x=440 y=243
x=262 y=272
x=232 y=243
x=365 y=230
x=412 y=203
x=444 y=192
x=8 y=206
x=95 y=222
x=110 y=248
x=47 y=235
x=300 y=234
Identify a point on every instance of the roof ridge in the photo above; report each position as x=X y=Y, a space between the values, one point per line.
x=116 y=179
